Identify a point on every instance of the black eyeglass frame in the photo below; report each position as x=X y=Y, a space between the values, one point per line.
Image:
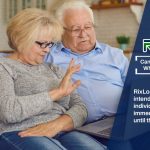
x=79 y=30
x=45 y=44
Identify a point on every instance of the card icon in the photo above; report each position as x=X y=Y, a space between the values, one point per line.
x=146 y=45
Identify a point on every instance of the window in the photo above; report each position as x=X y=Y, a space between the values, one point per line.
x=13 y=6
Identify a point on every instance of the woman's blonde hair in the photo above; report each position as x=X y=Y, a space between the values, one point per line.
x=24 y=28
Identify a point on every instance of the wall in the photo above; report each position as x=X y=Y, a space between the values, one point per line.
x=138 y=10
x=3 y=37
x=115 y=22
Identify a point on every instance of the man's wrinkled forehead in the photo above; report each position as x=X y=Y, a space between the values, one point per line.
x=74 y=17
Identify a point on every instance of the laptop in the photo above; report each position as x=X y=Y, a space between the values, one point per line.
x=101 y=128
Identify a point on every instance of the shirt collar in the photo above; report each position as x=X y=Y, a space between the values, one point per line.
x=98 y=48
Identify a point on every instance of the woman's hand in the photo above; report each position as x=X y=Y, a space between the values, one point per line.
x=66 y=87
x=51 y=128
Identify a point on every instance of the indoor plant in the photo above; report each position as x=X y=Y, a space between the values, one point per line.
x=123 y=41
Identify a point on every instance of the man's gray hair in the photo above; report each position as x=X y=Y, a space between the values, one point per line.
x=75 y=4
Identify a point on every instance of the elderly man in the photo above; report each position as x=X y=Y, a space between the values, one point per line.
x=103 y=68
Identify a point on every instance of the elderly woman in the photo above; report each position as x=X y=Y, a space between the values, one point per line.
x=38 y=108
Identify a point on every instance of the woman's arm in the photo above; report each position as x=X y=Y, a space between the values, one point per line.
x=74 y=117
x=77 y=109
x=51 y=128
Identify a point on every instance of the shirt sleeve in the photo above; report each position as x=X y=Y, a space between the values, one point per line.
x=15 y=108
x=77 y=111
x=124 y=67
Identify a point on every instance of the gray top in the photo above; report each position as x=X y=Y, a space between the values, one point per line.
x=24 y=98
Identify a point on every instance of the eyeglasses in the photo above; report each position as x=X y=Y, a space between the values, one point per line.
x=77 y=30
x=44 y=44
